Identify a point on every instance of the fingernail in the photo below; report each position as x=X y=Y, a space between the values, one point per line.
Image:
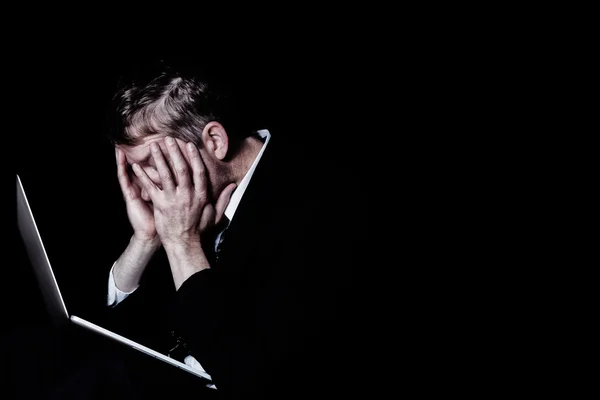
x=154 y=147
x=190 y=146
x=169 y=140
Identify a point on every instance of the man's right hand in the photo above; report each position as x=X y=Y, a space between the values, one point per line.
x=139 y=212
x=130 y=266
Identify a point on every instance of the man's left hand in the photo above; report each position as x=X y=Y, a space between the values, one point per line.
x=182 y=207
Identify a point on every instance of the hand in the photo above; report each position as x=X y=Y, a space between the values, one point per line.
x=139 y=212
x=183 y=209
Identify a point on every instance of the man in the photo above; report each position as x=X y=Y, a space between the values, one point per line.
x=259 y=238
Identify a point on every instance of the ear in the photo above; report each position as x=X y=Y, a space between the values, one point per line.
x=215 y=140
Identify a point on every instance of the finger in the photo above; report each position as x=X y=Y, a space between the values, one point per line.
x=145 y=181
x=180 y=166
x=222 y=202
x=162 y=167
x=198 y=170
x=127 y=188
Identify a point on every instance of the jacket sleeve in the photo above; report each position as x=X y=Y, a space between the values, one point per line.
x=281 y=337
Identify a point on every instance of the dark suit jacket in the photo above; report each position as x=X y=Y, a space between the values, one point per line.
x=277 y=316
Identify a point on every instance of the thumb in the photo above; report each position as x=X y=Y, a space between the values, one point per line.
x=222 y=201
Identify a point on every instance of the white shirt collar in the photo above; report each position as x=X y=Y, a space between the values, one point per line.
x=236 y=197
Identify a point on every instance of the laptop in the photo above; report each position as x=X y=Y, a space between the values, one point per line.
x=53 y=297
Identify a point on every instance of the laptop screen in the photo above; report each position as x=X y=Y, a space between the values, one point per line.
x=39 y=258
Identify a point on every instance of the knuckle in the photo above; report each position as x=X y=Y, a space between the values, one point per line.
x=202 y=196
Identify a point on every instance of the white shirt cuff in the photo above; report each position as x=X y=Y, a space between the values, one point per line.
x=192 y=362
x=115 y=296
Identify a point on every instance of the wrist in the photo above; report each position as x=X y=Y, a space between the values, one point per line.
x=186 y=257
x=191 y=242
x=130 y=266
x=146 y=243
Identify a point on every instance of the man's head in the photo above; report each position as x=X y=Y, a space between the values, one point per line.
x=159 y=100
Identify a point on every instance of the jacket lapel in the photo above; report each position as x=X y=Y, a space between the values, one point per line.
x=248 y=230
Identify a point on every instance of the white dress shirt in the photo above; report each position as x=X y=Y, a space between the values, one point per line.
x=115 y=296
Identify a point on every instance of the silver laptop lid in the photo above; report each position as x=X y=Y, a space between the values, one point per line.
x=38 y=258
